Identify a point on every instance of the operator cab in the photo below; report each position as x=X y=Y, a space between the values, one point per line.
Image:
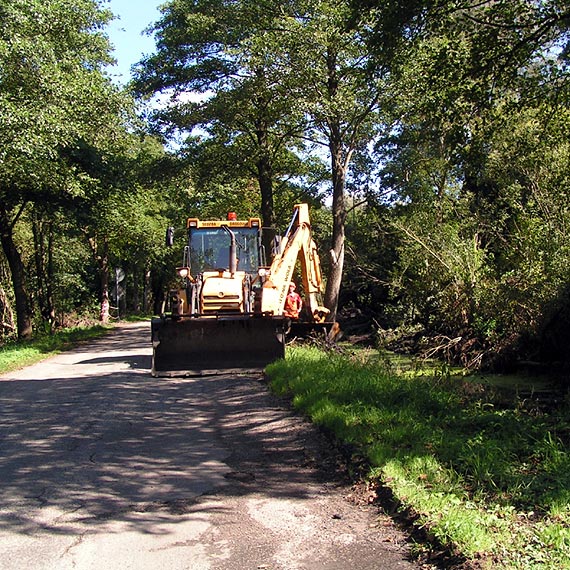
x=210 y=249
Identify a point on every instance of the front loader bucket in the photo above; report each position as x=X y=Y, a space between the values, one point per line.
x=201 y=346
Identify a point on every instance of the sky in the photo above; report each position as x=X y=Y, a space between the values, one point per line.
x=126 y=33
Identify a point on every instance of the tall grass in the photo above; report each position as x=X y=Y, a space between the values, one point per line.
x=489 y=480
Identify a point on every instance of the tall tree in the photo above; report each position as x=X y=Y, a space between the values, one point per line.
x=213 y=48
x=52 y=94
x=321 y=52
x=272 y=74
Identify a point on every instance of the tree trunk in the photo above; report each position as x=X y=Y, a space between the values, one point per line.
x=102 y=261
x=266 y=188
x=147 y=291
x=265 y=179
x=104 y=280
x=17 y=270
x=43 y=252
x=136 y=294
x=50 y=278
x=338 y=166
x=7 y=323
x=104 y=314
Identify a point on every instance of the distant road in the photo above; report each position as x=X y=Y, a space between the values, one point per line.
x=104 y=467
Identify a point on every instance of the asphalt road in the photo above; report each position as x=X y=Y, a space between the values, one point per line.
x=104 y=467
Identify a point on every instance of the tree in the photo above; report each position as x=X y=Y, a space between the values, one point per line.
x=7 y=321
x=480 y=93
x=121 y=213
x=321 y=52
x=216 y=49
x=52 y=95
x=273 y=76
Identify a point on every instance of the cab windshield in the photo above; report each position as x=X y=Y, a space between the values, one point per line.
x=210 y=249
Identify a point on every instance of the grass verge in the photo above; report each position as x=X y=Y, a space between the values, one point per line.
x=486 y=477
x=18 y=354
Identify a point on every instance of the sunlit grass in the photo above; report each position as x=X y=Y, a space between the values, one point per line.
x=488 y=480
x=16 y=355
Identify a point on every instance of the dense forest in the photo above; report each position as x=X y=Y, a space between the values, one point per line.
x=430 y=137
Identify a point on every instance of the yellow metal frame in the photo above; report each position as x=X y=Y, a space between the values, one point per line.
x=196 y=223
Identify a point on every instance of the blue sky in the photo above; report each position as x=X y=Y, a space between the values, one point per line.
x=126 y=33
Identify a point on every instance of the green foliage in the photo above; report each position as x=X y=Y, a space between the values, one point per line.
x=442 y=273
x=485 y=478
x=51 y=89
x=249 y=125
x=57 y=112
x=487 y=260
x=450 y=119
x=370 y=246
x=275 y=76
x=475 y=167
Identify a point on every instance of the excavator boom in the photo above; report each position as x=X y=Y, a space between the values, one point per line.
x=296 y=245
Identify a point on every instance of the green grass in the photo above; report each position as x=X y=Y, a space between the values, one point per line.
x=488 y=478
x=16 y=355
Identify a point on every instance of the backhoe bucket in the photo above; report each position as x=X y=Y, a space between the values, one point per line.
x=209 y=345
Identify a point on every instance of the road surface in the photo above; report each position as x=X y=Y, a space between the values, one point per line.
x=104 y=467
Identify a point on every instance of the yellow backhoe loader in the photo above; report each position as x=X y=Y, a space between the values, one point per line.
x=228 y=315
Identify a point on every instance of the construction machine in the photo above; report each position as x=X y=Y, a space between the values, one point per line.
x=228 y=314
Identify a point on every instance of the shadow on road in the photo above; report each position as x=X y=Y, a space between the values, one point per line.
x=106 y=441
x=137 y=362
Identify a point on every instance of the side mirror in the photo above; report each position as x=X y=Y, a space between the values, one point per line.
x=170 y=237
